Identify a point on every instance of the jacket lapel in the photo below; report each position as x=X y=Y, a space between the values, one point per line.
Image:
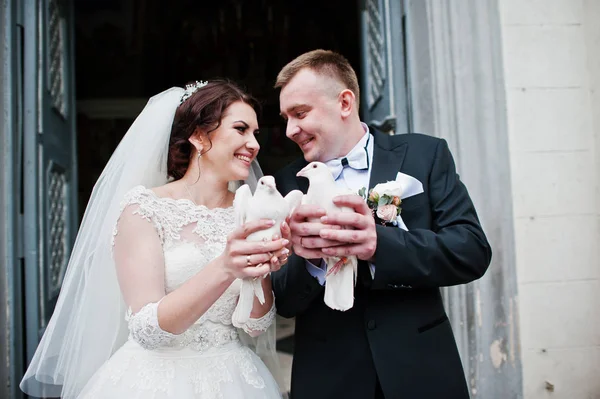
x=388 y=156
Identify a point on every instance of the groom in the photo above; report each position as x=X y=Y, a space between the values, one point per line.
x=396 y=341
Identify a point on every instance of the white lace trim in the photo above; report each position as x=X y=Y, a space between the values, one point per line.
x=170 y=215
x=145 y=330
x=262 y=323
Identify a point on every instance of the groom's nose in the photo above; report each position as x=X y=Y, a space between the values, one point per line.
x=291 y=129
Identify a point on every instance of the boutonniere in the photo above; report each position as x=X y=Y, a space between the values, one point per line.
x=384 y=200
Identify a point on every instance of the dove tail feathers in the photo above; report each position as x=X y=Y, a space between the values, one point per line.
x=242 y=311
x=250 y=287
x=258 y=290
x=339 y=286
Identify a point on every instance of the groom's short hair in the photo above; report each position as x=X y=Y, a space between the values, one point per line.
x=325 y=62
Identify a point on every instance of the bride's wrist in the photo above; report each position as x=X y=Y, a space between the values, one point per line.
x=220 y=267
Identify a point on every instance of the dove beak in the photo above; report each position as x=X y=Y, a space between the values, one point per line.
x=302 y=173
x=268 y=181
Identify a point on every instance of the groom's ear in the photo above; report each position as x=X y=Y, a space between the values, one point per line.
x=347 y=102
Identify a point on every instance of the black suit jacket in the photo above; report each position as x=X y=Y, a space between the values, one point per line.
x=397 y=331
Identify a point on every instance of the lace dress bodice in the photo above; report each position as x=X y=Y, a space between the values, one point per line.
x=158 y=245
x=191 y=236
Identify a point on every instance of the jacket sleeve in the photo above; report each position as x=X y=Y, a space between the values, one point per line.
x=294 y=287
x=454 y=251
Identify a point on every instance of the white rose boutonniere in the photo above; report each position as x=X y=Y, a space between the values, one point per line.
x=384 y=199
x=390 y=189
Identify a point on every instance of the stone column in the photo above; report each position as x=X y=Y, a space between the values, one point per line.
x=456 y=90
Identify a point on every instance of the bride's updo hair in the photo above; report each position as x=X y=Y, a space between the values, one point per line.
x=204 y=109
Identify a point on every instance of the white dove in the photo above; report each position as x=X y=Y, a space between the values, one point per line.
x=341 y=271
x=267 y=203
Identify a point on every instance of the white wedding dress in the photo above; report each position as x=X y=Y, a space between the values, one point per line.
x=206 y=361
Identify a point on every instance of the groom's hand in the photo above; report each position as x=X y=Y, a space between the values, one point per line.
x=354 y=232
x=305 y=227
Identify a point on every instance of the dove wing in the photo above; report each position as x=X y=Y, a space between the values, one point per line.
x=240 y=204
x=293 y=199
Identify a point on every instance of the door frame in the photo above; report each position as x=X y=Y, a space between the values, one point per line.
x=40 y=132
x=384 y=85
x=11 y=217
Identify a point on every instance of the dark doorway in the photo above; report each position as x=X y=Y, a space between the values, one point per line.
x=129 y=50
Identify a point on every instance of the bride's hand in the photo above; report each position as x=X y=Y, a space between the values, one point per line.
x=243 y=258
x=280 y=257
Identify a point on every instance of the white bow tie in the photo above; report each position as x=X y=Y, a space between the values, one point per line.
x=357 y=159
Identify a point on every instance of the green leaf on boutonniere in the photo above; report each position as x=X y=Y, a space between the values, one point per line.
x=384 y=200
x=363 y=192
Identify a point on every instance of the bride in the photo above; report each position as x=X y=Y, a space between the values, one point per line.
x=146 y=306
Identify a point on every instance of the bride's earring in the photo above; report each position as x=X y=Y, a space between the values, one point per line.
x=198 y=162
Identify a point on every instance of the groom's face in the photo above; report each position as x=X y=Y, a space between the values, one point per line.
x=310 y=104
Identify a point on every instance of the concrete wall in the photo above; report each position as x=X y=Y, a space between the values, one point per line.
x=552 y=70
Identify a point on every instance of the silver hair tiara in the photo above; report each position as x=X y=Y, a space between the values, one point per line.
x=191 y=89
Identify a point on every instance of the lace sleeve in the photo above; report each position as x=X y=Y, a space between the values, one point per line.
x=139 y=261
x=254 y=327
x=145 y=330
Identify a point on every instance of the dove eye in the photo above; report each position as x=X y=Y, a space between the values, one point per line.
x=314 y=166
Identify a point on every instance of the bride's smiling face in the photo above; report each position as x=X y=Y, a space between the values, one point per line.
x=232 y=146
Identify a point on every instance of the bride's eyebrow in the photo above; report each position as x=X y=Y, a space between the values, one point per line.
x=245 y=124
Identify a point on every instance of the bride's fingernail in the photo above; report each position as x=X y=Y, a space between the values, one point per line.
x=271 y=222
x=285 y=251
x=324 y=219
x=285 y=242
